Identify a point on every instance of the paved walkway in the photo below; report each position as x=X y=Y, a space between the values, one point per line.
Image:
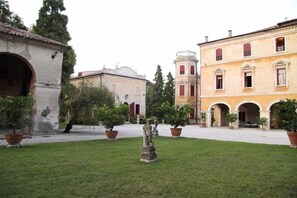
x=81 y=133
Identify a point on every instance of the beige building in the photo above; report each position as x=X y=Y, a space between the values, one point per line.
x=187 y=82
x=129 y=87
x=249 y=74
x=32 y=64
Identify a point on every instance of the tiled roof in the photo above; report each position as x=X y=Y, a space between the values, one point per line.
x=278 y=25
x=7 y=29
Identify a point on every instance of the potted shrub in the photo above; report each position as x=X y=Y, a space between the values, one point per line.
x=176 y=116
x=202 y=119
x=111 y=116
x=15 y=115
x=231 y=118
x=262 y=122
x=286 y=111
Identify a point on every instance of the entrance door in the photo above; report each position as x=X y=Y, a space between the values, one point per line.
x=131 y=113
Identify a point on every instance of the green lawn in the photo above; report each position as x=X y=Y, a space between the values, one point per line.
x=185 y=168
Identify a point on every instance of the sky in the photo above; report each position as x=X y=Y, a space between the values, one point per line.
x=142 y=34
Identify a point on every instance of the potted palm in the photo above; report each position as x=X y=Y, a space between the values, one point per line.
x=231 y=118
x=262 y=122
x=15 y=115
x=111 y=116
x=176 y=116
x=286 y=111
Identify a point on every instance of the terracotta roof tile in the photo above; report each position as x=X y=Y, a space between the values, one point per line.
x=7 y=29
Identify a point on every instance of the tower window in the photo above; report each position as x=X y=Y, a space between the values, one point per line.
x=192 y=90
x=182 y=69
x=181 y=90
x=192 y=70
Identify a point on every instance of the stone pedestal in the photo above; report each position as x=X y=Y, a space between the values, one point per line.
x=148 y=154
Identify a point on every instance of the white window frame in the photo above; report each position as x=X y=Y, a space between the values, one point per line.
x=247 y=67
x=219 y=72
x=281 y=64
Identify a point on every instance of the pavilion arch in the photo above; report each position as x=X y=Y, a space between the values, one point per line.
x=218 y=112
x=273 y=121
x=248 y=112
x=17 y=76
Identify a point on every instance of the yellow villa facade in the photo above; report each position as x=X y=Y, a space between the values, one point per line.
x=248 y=74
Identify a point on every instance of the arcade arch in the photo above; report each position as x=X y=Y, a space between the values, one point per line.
x=218 y=114
x=247 y=114
x=16 y=76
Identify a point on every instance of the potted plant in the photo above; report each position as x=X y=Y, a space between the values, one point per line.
x=111 y=116
x=286 y=111
x=176 y=116
x=15 y=115
x=231 y=118
x=202 y=119
x=262 y=122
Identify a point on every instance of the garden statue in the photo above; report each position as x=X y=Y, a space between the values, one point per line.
x=155 y=130
x=148 y=150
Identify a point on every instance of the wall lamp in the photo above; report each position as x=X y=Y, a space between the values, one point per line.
x=54 y=54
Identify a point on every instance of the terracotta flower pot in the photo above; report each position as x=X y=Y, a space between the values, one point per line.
x=175 y=132
x=111 y=135
x=202 y=125
x=13 y=139
x=293 y=138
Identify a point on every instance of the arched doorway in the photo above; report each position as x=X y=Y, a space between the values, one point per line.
x=218 y=114
x=248 y=114
x=273 y=117
x=16 y=77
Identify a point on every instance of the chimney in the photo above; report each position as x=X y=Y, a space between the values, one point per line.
x=229 y=33
x=206 y=39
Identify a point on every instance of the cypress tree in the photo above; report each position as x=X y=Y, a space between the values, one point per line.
x=169 y=90
x=158 y=94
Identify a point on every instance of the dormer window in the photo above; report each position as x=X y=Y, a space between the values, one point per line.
x=247 y=49
x=280 y=44
x=219 y=54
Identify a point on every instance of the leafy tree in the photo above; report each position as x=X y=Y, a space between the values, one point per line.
x=286 y=111
x=111 y=116
x=81 y=103
x=149 y=98
x=176 y=115
x=169 y=90
x=158 y=93
x=8 y=17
